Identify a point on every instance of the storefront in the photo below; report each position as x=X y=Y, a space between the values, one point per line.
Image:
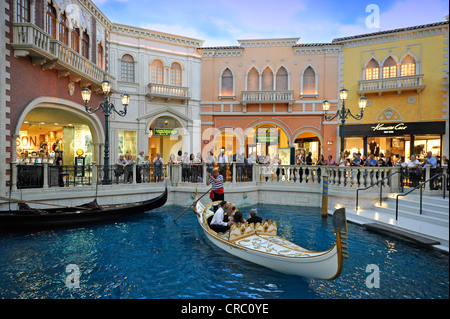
x=395 y=139
x=165 y=137
x=46 y=131
x=268 y=140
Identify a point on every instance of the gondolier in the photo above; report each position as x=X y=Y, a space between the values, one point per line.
x=216 y=181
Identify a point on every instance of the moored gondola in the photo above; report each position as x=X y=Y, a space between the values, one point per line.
x=25 y=217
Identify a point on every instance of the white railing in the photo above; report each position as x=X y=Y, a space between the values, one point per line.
x=403 y=82
x=267 y=96
x=168 y=91
x=28 y=35
x=76 y=62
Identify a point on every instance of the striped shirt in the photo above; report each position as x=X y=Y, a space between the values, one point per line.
x=216 y=185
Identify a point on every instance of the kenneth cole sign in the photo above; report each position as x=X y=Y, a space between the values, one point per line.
x=395 y=129
x=390 y=129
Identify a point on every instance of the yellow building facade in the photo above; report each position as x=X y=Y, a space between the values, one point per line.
x=403 y=74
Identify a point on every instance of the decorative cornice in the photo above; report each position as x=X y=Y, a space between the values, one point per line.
x=156 y=35
x=317 y=48
x=231 y=51
x=92 y=8
x=282 y=42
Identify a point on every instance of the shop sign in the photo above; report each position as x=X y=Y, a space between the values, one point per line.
x=165 y=132
x=268 y=139
x=389 y=129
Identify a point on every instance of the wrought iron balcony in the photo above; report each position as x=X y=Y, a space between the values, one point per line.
x=397 y=84
x=168 y=92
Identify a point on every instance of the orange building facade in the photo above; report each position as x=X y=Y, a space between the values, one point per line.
x=264 y=97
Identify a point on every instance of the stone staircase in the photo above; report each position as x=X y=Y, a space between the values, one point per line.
x=430 y=227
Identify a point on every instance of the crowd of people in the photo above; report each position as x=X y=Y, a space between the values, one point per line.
x=148 y=170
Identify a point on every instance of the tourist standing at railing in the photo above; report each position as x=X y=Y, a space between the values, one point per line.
x=342 y=161
x=331 y=161
x=157 y=167
x=223 y=161
x=185 y=167
x=145 y=168
x=197 y=169
x=414 y=170
x=121 y=163
x=209 y=161
x=59 y=163
x=431 y=162
x=139 y=160
x=129 y=169
x=172 y=159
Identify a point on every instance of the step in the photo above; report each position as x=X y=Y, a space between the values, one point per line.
x=439 y=203
x=385 y=229
x=410 y=225
x=426 y=216
x=414 y=209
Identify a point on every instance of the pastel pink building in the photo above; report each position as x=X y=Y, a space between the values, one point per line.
x=265 y=97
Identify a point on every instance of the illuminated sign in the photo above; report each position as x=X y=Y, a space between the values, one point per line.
x=389 y=128
x=165 y=131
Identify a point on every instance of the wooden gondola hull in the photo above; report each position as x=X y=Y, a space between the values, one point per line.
x=76 y=216
x=324 y=266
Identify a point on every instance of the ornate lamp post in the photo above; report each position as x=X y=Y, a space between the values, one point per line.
x=107 y=109
x=343 y=113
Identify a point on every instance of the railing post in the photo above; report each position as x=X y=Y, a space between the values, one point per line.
x=45 y=185
x=134 y=174
x=94 y=173
x=14 y=176
x=428 y=176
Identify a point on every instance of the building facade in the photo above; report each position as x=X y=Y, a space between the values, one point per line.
x=161 y=73
x=264 y=97
x=404 y=75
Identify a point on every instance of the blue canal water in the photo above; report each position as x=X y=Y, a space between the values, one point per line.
x=150 y=256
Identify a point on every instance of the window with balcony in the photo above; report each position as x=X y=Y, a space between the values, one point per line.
x=100 y=62
x=389 y=68
x=227 y=83
x=50 y=20
x=63 y=29
x=408 y=66
x=309 y=81
x=267 y=79
x=372 y=70
x=23 y=11
x=75 y=40
x=282 y=79
x=175 y=74
x=127 y=65
x=85 y=45
x=253 y=80
x=157 y=71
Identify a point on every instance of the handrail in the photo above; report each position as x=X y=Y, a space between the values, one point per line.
x=363 y=189
x=421 y=187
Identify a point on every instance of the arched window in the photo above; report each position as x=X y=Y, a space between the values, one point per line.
x=227 y=83
x=63 y=29
x=267 y=80
x=309 y=81
x=127 y=64
x=253 y=80
x=85 y=45
x=157 y=72
x=389 y=68
x=282 y=79
x=175 y=74
x=408 y=66
x=23 y=10
x=100 y=56
x=75 y=40
x=50 y=20
x=372 y=70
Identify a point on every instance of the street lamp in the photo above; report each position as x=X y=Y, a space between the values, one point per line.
x=344 y=113
x=107 y=109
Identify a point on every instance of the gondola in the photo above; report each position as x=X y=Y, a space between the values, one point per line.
x=259 y=244
x=25 y=217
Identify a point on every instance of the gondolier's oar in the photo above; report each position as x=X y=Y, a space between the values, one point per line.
x=192 y=204
x=40 y=203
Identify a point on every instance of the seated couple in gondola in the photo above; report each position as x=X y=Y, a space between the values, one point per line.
x=228 y=215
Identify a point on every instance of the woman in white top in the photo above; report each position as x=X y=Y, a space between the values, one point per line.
x=342 y=161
